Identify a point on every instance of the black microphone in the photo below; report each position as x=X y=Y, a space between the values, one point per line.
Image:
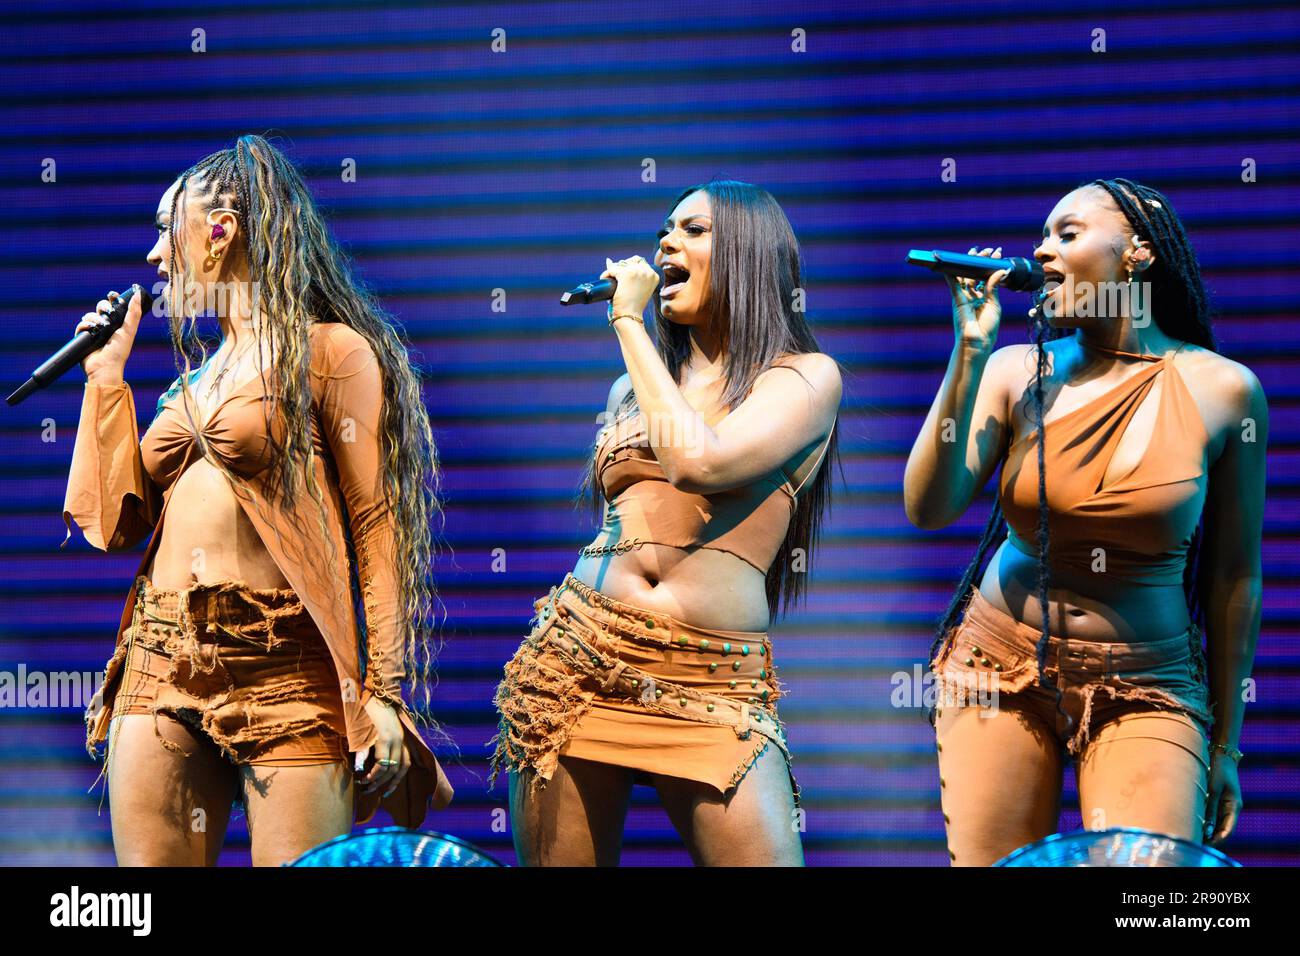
x=81 y=345
x=599 y=291
x=1024 y=275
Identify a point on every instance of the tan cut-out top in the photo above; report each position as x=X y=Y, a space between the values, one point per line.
x=1139 y=526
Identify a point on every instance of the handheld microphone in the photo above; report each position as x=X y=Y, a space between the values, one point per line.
x=1024 y=275
x=599 y=291
x=81 y=345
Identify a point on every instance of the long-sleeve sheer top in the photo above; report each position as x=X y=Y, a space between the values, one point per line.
x=119 y=487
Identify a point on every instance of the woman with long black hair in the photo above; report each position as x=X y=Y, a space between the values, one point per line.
x=1083 y=638
x=651 y=661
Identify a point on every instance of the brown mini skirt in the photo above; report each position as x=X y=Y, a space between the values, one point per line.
x=605 y=681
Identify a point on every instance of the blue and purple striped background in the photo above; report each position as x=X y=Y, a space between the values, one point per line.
x=520 y=171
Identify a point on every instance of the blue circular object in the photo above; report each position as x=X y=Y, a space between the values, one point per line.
x=1119 y=846
x=394 y=846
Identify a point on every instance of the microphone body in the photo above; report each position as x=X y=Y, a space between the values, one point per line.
x=602 y=290
x=81 y=345
x=1024 y=275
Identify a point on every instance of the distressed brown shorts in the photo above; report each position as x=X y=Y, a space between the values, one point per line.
x=990 y=659
x=245 y=668
x=601 y=680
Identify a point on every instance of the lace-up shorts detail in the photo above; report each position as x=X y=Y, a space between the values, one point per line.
x=990 y=660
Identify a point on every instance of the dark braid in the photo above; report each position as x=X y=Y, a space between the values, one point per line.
x=1042 y=327
x=1180 y=307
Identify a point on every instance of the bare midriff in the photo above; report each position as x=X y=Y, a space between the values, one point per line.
x=206 y=537
x=1077 y=607
x=702 y=587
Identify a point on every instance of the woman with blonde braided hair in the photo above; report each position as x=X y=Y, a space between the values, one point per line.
x=1083 y=639
x=289 y=482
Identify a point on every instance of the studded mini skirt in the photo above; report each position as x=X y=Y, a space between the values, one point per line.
x=601 y=680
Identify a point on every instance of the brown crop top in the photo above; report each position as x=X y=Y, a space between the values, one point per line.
x=235 y=431
x=119 y=487
x=644 y=508
x=1138 y=527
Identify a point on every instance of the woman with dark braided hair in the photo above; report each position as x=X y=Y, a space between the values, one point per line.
x=287 y=473
x=1083 y=638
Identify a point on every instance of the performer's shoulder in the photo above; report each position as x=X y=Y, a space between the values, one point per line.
x=332 y=342
x=1231 y=383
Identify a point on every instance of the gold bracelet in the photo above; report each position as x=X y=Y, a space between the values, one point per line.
x=1227 y=751
x=626 y=315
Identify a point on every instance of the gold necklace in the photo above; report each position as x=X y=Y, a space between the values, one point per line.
x=227 y=367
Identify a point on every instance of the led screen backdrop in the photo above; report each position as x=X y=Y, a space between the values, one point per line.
x=519 y=170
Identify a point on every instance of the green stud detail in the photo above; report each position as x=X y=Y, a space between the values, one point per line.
x=726 y=648
x=735 y=665
x=683 y=640
x=762 y=651
x=744 y=650
x=710 y=708
x=682 y=700
x=762 y=674
x=713 y=666
x=636 y=682
x=576 y=648
x=704 y=643
x=658 y=693
x=753 y=682
x=731 y=684
x=764 y=694
x=650 y=625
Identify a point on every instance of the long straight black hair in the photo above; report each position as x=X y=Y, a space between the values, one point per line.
x=755 y=310
x=1180 y=308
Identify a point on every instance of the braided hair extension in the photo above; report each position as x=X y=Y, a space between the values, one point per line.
x=1180 y=308
x=299 y=274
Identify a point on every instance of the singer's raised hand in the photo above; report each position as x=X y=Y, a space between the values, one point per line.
x=637 y=280
x=976 y=311
x=105 y=366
